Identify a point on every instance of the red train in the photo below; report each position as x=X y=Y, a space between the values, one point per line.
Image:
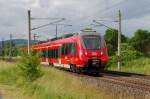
x=79 y=52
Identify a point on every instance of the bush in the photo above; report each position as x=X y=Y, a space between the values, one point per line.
x=128 y=54
x=29 y=67
x=112 y=61
x=141 y=41
x=111 y=37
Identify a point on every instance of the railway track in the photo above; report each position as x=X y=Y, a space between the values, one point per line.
x=135 y=86
x=128 y=84
x=132 y=82
x=125 y=74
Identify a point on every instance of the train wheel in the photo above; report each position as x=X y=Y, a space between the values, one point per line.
x=51 y=64
x=78 y=71
x=73 y=68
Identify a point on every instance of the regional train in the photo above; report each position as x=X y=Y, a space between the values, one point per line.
x=79 y=52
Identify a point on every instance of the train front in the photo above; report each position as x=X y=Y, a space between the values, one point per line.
x=94 y=51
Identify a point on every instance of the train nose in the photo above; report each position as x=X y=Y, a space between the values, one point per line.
x=96 y=53
x=94 y=62
x=92 y=54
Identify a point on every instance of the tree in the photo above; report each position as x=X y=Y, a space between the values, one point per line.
x=111 y=37
x=6 y=49
x=29 y=67
x=128 y=54
x=141 y=41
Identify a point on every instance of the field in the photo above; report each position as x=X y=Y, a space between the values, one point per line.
x=57 y=84
x=54 y=84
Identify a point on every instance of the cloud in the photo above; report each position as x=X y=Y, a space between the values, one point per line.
x=79 y=13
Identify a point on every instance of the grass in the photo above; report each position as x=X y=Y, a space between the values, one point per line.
x=141 y=66
x=54 y=84
x=57 y=84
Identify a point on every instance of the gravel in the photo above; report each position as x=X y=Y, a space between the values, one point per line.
x=117 y=91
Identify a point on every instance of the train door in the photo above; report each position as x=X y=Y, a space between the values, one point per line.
x=73 y=53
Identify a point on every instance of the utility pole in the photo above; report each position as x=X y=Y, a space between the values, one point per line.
x=35 y=36
x=1 y=48
x=3 y=45
x=10 y=47
x=119 y=41
x=59 y=25
x=56 y=31
x=29 y=31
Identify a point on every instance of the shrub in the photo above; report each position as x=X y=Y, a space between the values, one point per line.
x=29 y=67
x=128 y=54
x=141 y=41
x=112 y=60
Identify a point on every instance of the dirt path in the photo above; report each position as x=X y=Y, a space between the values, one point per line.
x=1 y=96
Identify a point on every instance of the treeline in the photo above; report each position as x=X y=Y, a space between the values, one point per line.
x=8 y=50
x=131 y=48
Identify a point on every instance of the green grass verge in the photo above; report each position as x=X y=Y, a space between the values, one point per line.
x=57 y=84
x=141 y=66
x=54 y=84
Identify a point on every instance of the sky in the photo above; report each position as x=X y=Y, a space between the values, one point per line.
x=78 y=13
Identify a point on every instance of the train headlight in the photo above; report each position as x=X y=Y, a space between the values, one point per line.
x=102 y=53
x=85 y=53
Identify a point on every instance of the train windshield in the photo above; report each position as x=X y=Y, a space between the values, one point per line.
x=91 y=42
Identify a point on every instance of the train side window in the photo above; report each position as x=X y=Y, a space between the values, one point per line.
x=56 y=53
x=49 y=53
x=69 y=48
x=44 y=54
x=73 y=48
x=63 y=48
x=66 y=49
x=53 y=53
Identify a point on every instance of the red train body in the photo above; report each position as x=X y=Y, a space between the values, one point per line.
x=84 y=52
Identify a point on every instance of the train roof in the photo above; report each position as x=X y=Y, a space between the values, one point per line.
x=87 y=31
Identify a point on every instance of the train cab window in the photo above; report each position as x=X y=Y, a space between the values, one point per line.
x=91 y=42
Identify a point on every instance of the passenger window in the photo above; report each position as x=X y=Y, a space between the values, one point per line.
x=73 y=48
x=49 y=53
x=53 y=53
x=44 y=54
x=63 y=49
x=69 y=48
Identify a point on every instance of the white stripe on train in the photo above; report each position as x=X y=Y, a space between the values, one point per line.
x=57 y=65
